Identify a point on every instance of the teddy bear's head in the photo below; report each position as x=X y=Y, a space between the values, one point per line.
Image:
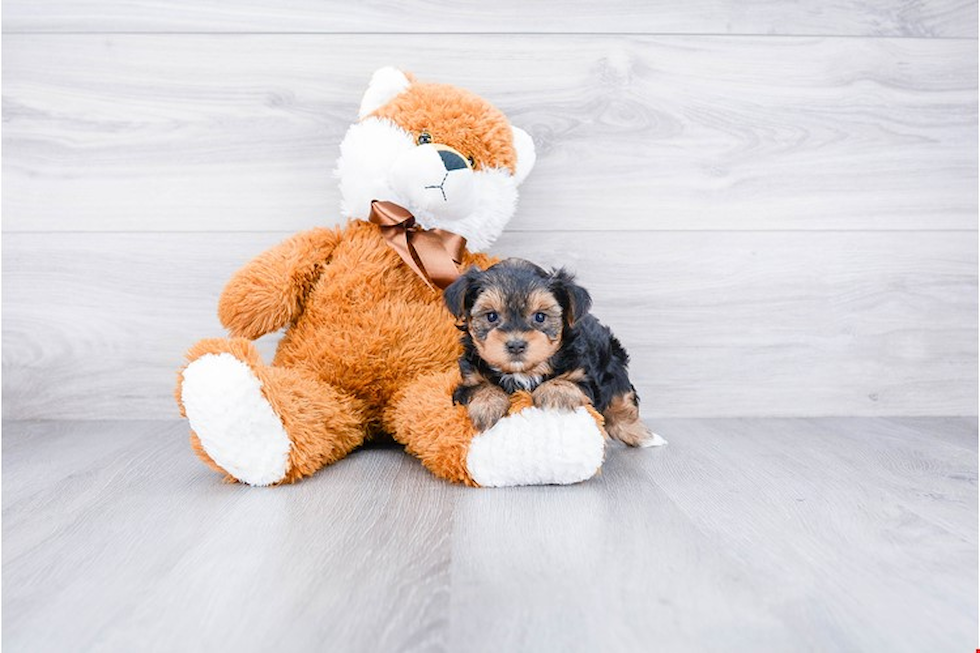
x=448 y=156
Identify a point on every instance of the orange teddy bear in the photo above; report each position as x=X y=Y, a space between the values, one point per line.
x=369 y=347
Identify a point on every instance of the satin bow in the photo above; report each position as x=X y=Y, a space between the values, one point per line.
x=433 y=254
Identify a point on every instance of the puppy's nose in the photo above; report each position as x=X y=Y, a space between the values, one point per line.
x=515 y=347
x=452 y=160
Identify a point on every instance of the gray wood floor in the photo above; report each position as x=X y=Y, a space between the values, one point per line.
x=832 y=534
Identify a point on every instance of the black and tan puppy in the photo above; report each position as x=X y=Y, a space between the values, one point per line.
x=529 y=329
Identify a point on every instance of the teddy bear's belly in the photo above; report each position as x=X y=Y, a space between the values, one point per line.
x=370 y=347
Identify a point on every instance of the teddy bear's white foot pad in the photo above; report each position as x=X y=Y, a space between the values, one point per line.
x=237 y=427
x=537 y=447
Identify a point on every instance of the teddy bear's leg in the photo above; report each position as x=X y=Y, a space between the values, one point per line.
x=263 y=425
x=529 y=447
x=423 y=418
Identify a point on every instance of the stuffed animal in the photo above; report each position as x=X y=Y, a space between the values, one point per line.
x=369 y=347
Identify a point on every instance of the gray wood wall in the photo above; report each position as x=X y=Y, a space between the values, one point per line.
x=774 y=204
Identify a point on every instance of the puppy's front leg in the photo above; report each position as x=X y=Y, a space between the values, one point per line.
x=561 y=393
x=486 y=403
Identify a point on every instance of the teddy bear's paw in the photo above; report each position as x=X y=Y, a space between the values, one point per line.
x=537 y=447
x=237 y=427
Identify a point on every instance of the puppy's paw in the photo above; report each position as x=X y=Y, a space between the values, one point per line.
x=653 y=440
x=634 y=434
x=559 y=394
x=623 y=423
x=487 y=405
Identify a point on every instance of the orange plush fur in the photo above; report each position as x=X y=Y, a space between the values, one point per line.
x=362 y=327
x=457 y=118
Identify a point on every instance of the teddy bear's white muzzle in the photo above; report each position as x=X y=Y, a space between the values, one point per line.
x=435 y=181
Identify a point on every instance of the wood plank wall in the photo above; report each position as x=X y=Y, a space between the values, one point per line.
x=774 y=204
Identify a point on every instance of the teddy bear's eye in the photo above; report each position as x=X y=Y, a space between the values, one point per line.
x=425 y=138
x=472 y=162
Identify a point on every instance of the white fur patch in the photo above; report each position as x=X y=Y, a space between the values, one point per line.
x=234 y=421
x=537 y=447
x=526 y=381
x=369 y=153
x=526 y=156
x=653 y=441
x=385 y=84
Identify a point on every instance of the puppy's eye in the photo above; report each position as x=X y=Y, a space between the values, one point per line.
x=425 y=138
x=540 y=317
x=472 y=162
x=492 y=317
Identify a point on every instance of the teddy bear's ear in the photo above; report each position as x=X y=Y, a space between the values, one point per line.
x=385 y=84
x=525 y=154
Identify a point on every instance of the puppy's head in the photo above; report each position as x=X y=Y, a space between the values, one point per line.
x=516 y=312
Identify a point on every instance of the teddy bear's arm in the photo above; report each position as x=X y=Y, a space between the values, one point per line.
x=267 y=294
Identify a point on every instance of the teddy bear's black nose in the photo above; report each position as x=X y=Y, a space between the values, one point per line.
x=451 y=160
x=516 y=347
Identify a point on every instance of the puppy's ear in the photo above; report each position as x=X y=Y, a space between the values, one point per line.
x=460 y=294
x=574 y=299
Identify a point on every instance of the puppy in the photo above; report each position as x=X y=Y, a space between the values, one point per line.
x=529 y=329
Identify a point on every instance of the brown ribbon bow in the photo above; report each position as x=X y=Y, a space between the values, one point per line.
x=432 y=253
